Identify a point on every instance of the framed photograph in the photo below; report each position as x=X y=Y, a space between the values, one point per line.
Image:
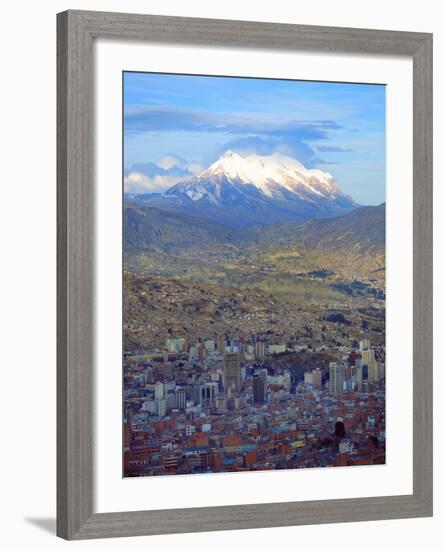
x=244 y=275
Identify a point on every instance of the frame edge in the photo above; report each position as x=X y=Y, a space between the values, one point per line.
x=75 y=252
x=75 y=518
x=423 y=274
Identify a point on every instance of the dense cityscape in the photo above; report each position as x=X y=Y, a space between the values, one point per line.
x=214 y=405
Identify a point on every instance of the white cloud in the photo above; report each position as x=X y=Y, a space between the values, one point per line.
x=173 y=169
x=195 y=168
x=135 y=182
x=169 y=161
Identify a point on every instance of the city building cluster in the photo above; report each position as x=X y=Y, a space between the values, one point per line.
x=218 y=405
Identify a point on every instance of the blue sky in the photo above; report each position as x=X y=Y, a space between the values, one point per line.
x=176 y=125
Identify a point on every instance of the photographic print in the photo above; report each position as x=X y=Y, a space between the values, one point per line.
x=253 y=274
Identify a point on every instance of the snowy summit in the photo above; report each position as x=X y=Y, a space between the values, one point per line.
x=249 y=190
x=270 y=173
x=275 y=176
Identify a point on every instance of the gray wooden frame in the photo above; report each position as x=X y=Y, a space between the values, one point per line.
x=76 y=32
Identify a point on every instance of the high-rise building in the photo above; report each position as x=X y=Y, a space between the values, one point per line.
x=159 y=390
x=161 y=407
x=373 y=371
x=170 y=399
x=356 y=374
x=337 y=377
x=248 y=350
x=193 y=352
x=194 y=393
x=181 y=398
x=382 y=370
x=368 y=356
x=259 y=387
x=259 y=349
x=210 y=346
x=149 y=406
x=208 y=391
x=364 y=345
x=175 y=344
x=232 y=378
x=314 y=378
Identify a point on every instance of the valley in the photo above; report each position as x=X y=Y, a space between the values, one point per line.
x=190 y=277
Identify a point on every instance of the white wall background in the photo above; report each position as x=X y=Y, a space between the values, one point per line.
x=27 y=132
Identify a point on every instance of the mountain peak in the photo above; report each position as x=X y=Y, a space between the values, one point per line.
x=271 y=174
x=229 y=154
x=254 y=189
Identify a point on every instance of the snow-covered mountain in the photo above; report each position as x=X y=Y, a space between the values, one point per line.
x=272 y=177
x=251 y=190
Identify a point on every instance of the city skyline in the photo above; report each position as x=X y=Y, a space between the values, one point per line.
x=226 y=405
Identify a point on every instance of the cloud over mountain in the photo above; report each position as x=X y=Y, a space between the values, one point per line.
x=157 y=177
x=249 y=135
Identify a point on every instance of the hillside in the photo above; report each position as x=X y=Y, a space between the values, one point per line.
x=362 y=230
x=192 y=275
x=149 y=229
x=155 y=307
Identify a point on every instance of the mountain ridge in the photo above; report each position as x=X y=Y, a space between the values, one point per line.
x=148 y=229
